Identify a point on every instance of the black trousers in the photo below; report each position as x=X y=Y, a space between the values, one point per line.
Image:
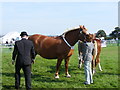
x=27 y=74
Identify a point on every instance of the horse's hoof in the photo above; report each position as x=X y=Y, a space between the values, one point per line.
x=79 y=66
x=101 y=70
x=56 y=77
x=94 y=72
x=68 y=76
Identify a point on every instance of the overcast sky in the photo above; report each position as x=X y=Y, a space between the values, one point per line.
x=53 y=18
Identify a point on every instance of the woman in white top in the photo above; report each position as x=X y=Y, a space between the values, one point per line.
x=87 y=57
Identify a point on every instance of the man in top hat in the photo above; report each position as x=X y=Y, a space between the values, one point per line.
x=24 y=55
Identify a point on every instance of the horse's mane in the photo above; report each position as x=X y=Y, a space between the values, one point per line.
x=72 y=29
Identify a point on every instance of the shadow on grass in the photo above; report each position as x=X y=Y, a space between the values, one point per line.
x=44 y=78
x=11 y=74
x=6 y=87
x=108 y=74
x=62 y=69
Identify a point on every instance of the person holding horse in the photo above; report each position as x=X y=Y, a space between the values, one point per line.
x=87 y=58
x=24 y=54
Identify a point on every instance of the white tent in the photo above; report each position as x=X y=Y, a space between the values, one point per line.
x=11 y=37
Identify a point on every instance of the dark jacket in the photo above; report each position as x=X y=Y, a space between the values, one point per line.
x=23 y=52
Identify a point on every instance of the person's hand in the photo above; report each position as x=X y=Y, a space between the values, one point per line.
x=13 y=61
x=33 y=61
x=82 y=61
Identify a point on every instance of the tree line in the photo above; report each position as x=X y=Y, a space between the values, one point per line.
x=115 y=34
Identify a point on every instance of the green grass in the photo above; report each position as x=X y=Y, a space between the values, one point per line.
x=44 y=70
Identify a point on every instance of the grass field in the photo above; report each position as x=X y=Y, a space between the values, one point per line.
x=44 y=70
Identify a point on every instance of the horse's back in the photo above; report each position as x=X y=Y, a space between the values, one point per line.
x=48 y=47
x=35 y=37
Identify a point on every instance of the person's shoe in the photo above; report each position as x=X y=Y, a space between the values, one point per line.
x=16 y=87
x=91 y=82
x=86 y=83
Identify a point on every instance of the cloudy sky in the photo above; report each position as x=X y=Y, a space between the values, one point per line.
x=53 y=18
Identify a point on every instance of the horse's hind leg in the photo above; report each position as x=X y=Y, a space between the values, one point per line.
x=93 y=63
x=57 y=68
x=99 y=65
x=66 y=67
x=98 y=62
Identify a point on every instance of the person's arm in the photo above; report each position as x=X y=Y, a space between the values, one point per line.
x=84 y=50
x=14 y=54
x=32 y=53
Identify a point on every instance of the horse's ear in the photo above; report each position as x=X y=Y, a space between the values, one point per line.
x=81 y=26
x=84 y=28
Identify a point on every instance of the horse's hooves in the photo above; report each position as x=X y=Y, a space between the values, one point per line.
x=94 y=72
x=68 y=76
x=79 y=67
x=56 y=77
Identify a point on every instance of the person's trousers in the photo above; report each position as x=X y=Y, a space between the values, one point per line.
x=27 y=75
x=88 y=72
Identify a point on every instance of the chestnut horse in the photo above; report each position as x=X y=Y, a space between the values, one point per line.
x=96 y=53
x=58 y=47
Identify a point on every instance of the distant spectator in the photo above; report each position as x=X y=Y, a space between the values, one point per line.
x=6 y=42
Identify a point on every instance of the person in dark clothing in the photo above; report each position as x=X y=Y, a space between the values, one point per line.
x=24 y=55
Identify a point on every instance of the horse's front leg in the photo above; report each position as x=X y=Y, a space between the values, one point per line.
x=57 y=68
x=66 y=67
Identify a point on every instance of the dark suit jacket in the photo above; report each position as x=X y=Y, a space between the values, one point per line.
x=23 y=52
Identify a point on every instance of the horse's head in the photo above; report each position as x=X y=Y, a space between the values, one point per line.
x=89 y=37
x=73 y=35
x=84 y=30
x=83 y=33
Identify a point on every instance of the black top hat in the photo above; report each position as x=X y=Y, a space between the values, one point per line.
x=23 y=34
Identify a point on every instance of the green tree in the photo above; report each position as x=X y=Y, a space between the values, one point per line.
x=116 y=33
x=101 y=33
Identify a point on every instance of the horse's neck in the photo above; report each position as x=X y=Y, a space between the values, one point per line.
x=72 y=37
